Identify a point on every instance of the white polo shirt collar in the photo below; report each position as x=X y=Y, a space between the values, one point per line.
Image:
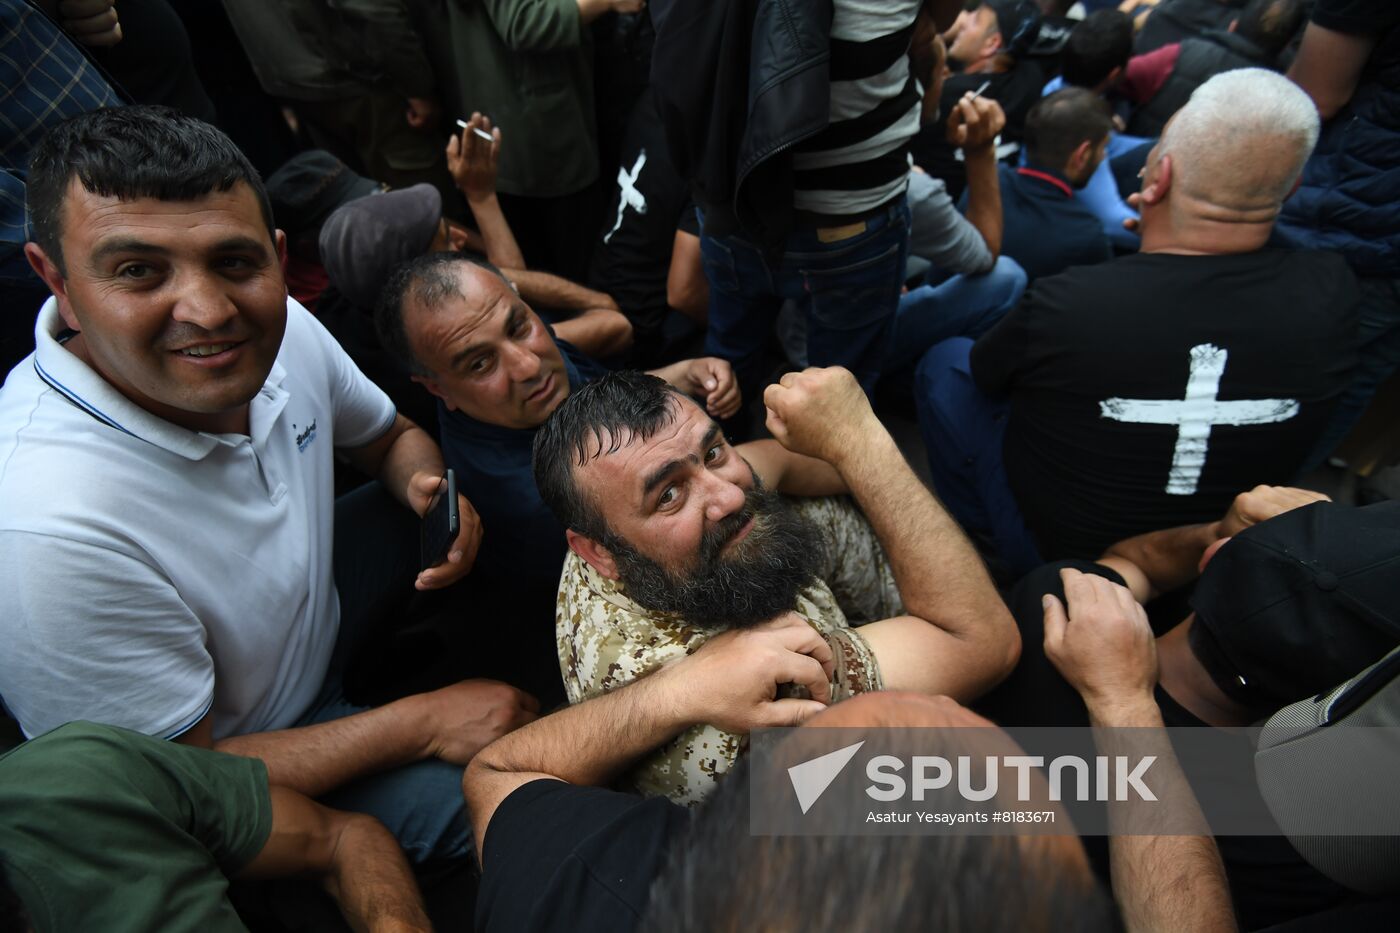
x=77 y=382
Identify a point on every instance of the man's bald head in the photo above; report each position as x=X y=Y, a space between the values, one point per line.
x=1239 y=144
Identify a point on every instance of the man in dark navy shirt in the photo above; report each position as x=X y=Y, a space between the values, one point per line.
x=498 y=372
x=1046 y=228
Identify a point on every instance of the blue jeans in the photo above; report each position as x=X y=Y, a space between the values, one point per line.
x=963 y=431
x=847 y=290
x=961 y=306
x=1378 y=355
x=376 y=560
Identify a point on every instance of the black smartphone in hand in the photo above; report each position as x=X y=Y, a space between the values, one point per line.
x=441 y=525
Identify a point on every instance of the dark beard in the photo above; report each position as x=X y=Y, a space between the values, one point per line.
x=758 y=580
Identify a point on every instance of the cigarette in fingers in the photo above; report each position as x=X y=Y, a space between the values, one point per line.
x=477 y=130
x=975 y=94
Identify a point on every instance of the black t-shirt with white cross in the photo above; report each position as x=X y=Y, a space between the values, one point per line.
x=648 y=203
x=1148 y=391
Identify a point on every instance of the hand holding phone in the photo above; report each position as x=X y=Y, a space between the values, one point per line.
x=441 y=524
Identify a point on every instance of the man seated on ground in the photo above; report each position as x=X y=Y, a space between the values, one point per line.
x=108 y=829
x=971 y=286
x=1161 y=82
x=1048 y=229
x=1098 y=50
x=560 y=853
x=1146 y=391
x=1295 y=595
x=988 y=45
x=675 y=536
x=498 y=372
x=175 y=560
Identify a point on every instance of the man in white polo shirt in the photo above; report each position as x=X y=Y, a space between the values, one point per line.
x=167 y=514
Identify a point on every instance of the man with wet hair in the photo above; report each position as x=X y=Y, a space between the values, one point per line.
x=675 y=538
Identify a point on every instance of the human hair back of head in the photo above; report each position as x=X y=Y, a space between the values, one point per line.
x=131 y=153
x=1059 y=122
x=1241 y=140
x=1101 y=42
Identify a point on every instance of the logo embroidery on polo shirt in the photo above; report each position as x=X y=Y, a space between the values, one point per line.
x=305 y=438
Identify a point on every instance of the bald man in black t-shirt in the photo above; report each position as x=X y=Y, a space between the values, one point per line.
x=1146 y=392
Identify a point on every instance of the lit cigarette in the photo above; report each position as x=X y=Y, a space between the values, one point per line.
x=975 y=94
x=490 y=139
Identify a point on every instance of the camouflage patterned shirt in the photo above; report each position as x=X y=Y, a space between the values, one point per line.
x=606 y=640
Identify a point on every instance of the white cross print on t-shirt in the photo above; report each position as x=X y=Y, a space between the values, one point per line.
x=629 y=195
x=1196 y=413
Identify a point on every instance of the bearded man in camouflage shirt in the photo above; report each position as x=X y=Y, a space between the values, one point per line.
x=676 y=536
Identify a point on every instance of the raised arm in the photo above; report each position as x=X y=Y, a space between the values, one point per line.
x=731 y=682
x=958 y=637
x=472 y=161
x=1102 y=644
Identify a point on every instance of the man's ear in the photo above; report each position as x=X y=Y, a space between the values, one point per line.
x=434 y=388
x=46 y=269
x=593 y=553
x=1078 y=159
x=279 y=241
x=1159 y=181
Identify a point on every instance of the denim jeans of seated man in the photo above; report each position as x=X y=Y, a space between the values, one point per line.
x=845 y=280
x=959 y=306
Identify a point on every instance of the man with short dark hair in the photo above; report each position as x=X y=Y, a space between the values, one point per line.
x=1098 y=49
x=1047 y=228
x=176 y=561
x=675 y=536
x=497 y=372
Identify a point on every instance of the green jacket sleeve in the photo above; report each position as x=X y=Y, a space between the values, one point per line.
x=536 y=25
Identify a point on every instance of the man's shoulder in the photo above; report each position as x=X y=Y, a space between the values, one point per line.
x=606 y=640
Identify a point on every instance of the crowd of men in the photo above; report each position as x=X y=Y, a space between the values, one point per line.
x=656 y=284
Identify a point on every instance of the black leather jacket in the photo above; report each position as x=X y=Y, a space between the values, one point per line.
x=738 y=84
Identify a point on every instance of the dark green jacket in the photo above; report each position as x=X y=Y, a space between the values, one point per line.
x=528 y=65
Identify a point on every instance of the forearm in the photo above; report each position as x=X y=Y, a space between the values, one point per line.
x=372 y=883
x=544 y=290
x=501 y=247
x=1167 y=882
x=592 y=743
x=984 y=197
x=588 y=744
x=393 y=459
x=1161 y=561
x=319 y=758
x=598 y=332
x=940 y=576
